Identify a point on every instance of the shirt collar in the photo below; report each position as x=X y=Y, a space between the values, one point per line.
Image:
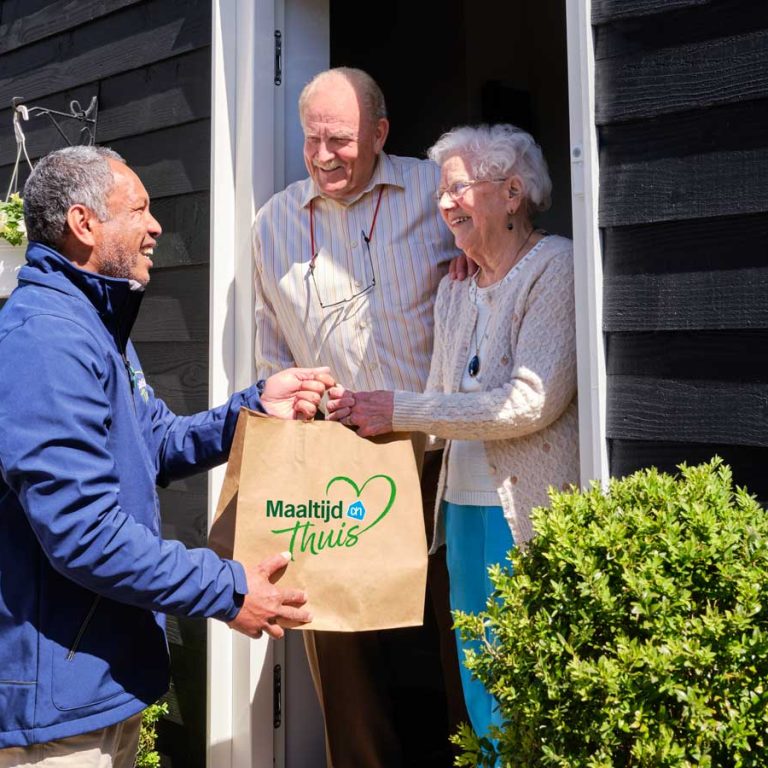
x=385 y=173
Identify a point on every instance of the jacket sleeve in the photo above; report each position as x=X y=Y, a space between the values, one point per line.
x=542 y=384
x=186 y=445
x=55 y=456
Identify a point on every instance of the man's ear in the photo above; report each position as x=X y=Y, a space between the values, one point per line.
x=380 y=135
x=80 y=220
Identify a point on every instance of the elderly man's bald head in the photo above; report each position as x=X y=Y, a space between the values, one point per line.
x=345 y=126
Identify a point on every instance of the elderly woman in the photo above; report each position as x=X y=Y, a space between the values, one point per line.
x=502 y=385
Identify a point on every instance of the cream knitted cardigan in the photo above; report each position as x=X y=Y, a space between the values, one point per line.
x=526 y=414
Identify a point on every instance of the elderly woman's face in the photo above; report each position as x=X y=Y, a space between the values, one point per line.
x=474 y=209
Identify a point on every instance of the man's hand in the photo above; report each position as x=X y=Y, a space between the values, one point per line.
x=461 y=267
x=296 y=392
x=267 y=608
x=370 y=412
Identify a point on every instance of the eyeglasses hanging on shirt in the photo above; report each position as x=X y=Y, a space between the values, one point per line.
x=316 y=252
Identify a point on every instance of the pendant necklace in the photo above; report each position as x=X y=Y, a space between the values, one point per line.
x=474 y=364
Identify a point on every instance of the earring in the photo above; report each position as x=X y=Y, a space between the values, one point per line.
x=510 y=222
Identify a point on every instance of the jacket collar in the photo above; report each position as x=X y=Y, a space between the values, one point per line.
x=115 y=299
x=385 y=172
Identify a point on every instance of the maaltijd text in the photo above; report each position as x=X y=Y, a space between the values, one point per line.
x=321 y=510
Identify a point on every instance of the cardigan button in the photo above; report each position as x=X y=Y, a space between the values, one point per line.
x=505 y=360
x=513 y=479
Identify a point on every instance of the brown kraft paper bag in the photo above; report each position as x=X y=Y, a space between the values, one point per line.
x=348 y=509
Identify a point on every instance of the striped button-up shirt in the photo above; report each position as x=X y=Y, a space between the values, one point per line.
x=380 y=338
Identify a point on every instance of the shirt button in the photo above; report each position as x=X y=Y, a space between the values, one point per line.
x=357 y=283
x=373 y=365
x=353 y=244
x=362 y=325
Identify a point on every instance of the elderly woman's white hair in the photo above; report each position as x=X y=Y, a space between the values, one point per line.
x=493 y=151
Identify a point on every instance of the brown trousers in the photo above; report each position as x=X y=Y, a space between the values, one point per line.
x=391 y=698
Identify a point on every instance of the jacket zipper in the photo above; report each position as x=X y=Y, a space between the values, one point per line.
x=83 y=627
x=131 y=378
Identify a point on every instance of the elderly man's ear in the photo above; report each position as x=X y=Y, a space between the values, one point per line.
x=380 y=136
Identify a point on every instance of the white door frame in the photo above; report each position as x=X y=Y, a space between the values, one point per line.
x=254 y=129
x=586 y=243
x=240 y=733
x=247 y=164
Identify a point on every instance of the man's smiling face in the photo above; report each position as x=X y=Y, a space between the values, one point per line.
x=126 y=240
x=341 y=141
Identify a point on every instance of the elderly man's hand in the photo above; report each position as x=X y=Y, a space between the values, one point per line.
x=267 y=608
x=295 y=393
x=370 y=412
x=461 y=267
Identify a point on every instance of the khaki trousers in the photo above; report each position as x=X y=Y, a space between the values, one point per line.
x=111 y=747
x=381 y=708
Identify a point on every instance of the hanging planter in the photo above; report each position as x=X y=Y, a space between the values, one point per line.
x=13 y=242
x=12 y=259
x=13 y=234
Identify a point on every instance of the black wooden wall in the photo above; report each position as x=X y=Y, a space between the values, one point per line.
x=148 y=61
x=682 y=113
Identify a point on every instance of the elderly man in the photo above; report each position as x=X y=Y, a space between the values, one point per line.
x=347 y=263
x=85 y=575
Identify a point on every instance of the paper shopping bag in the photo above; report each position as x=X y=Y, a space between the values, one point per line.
x=346 y=508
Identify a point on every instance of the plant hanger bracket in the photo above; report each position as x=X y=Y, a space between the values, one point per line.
x=21 y=112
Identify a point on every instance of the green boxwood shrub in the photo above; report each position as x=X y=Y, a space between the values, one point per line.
x=633 y=631
x=146 y=756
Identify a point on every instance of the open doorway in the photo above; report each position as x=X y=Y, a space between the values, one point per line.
x=440 y=64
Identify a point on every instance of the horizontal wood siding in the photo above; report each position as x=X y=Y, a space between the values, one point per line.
x=682 y=105
x=148 y=61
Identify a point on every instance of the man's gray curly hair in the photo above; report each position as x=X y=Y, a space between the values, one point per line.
x=61 y=179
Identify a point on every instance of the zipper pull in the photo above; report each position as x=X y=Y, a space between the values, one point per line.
x=130 y=371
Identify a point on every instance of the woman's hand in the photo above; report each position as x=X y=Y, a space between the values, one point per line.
x=370 y=412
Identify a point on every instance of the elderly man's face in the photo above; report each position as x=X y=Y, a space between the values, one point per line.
x=341 y=142
x=126 y=241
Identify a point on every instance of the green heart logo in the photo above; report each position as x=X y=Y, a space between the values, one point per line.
x=359 y=492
